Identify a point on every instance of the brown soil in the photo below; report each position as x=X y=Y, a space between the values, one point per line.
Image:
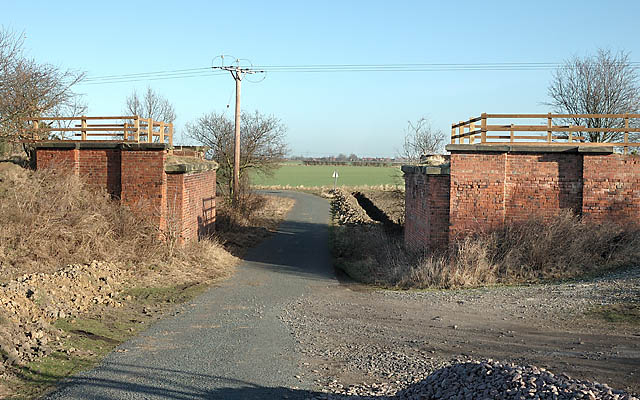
x=389 y=201
x=354 y=335
x=41 y=291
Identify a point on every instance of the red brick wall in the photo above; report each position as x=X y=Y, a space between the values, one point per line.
x=144 y=183
x=427 y=210
x=477 y=192
x=200 y=204
x=611 y=188
x=191 y=201
x=183 y=203
x=542 y=184
x=175 y=203
x=60 y=159
x=101 y=168
x=487 y=189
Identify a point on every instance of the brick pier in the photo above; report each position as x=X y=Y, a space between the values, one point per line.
x=177 y=193
x=485 y=186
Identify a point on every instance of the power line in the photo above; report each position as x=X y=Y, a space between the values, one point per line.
x=190 y=70
x=90 y=81
x=237 y=72
x=333 y=68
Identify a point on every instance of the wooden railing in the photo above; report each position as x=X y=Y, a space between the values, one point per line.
x=480 y=130
x=123 y=128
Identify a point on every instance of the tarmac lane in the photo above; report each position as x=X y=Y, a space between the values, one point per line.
x=228 y=343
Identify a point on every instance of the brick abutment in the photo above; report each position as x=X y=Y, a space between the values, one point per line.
x=178 y=195
x=482 y=187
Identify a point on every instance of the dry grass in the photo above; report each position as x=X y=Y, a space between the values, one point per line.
x=325 y=190
x=391 y=202
x=533 y=251
x=244 y=225
x=51 y=220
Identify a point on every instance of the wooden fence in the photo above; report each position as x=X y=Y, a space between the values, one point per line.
x=480 y=130
x=124 y=128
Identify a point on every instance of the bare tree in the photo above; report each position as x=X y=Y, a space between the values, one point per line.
x=602 y=84
x=421 y=138
x=262 y=143
x=31 y=90
x=151 y=105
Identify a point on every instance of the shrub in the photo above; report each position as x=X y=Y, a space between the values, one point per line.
x=532 y=251
x=49 y=220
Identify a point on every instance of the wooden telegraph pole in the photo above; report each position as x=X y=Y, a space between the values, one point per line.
x=236 y=143
x=237 y=72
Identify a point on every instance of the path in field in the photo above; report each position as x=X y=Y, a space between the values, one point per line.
x=229 y=343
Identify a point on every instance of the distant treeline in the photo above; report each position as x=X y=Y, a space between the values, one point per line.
x=359 y=163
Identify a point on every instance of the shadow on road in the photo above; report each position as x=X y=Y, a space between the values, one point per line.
x=298 y=248
x=162 y=383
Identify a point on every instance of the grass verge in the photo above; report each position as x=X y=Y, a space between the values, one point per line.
x=624 y=313
x=53 y=226
x=87 y=339
x=529 y=252
x=240 y=228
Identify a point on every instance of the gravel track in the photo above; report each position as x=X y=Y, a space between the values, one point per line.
x=404 y=344
x=285 y=327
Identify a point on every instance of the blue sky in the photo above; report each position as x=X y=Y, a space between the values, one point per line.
x=326 y=113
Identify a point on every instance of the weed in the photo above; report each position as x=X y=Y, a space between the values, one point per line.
x=618 y=313
x=531 y=251
x=166 y=294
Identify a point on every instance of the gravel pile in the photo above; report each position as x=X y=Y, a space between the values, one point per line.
x=495 y=380
x=29 y=304
x=488 y=380
x=371 y=345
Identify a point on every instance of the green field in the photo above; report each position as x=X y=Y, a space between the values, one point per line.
x=295 y=174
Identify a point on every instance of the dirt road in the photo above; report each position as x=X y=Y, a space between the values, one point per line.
x=364 y=342
x=285 y=327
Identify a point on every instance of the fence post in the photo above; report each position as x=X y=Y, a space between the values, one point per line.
x=149 y=130
x=36 y=126
x=570 y=135
x=84 y=128
x=511 y=136
x=161 y=132
x=460 y=133
x=483 y=128
x=472 y=127
x=453 y=133
x=125 y=131
x=171 y=135
x=549 y=125
x=136 y=124
x=626 y=133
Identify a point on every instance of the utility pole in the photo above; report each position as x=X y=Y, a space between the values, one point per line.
x=237 y=72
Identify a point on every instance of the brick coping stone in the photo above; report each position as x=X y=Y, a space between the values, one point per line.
x=533 y=148
x=183 y=168
x=89 y=145
x=444 y=169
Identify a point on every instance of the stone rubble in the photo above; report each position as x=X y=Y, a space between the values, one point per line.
x=31 y=303
x=486 y=379
x=347 y=358
x=346 y=210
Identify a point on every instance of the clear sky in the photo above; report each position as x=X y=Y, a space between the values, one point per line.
x=326 y=113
